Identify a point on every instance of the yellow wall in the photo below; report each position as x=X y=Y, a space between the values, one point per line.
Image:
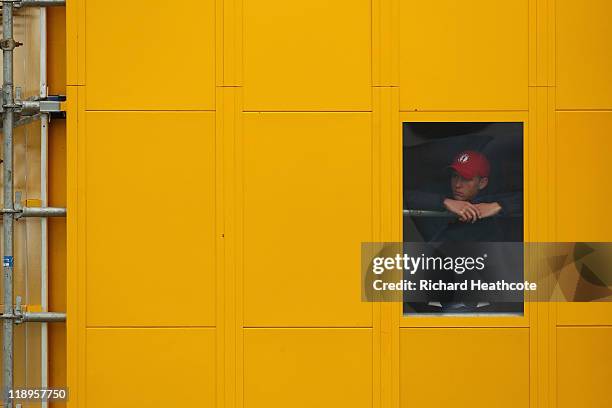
x=56 y=79
x=222 y=151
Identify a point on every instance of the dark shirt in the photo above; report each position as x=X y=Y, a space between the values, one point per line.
x=505 y=227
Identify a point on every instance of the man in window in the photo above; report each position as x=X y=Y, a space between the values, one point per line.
x=472 y=215
x=472 y=211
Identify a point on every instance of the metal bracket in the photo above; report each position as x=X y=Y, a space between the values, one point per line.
x=28 y=110
x=19 y=316
x=9 y=44
x=41 y=212
x=17 y=201
x=18 y=311
x=24 y=212
x=35 y=3
x=35 y=106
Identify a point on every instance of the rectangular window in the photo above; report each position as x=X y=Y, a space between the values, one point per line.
x=463 y=202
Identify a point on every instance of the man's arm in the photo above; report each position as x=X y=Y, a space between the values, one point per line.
x=503 y=204
x=420 y=200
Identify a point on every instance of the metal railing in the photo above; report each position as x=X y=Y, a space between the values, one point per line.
x=445 y=214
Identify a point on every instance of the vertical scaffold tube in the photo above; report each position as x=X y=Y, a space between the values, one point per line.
x=7 y=99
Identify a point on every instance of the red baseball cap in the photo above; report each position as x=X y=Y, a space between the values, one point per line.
x=470 y=164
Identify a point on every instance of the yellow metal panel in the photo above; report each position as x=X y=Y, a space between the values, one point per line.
x=534 y=45
x=232 y=42
x=307 y=55
x=464 y=368
x=583 y=367
x=385 y=43
x=228 y=120
x=75 y=247
x=305 y=368
x=589 y=314
x=300 y=191
x=80 y=41
x=540 y=167
x=72 y=46
x=151 y=367
x=158 y=55
x=539 y=227
x=150 y=193
x=583 y=166
x=387 y=195
x=307 y=208
x=542 y=43
x=74 y=41
x=57 y=49
x=469 y=55
x=584 y=60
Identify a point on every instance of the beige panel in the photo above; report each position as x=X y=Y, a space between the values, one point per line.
x=468 y=55
x=307 y=55
x=150 y=197
x=584 y=60
x=307 y=208
x=464 y=367
x=305 y=368
x=584 y=358
x=154 y=367
x=26 y=71
x=157 y=55
x=26 y=174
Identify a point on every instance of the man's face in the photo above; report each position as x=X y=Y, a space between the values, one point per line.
x=466 y=189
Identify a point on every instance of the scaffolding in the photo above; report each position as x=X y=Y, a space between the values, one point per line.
x=16 y=112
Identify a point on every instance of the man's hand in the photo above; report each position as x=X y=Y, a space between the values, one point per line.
x=488 y=209
x=466 y=211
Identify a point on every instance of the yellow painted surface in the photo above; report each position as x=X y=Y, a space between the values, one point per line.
x=157 y=367
x=33 y=202
x=583 y=197
x=464 y=367
x=470 y=55
x=301 y=241
x=221 y=244
x=307 y=55
x=583 y=367
x=589 y=314
x=308 y=368
x=160 y=270
x=583 y=54
x=154 y=64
